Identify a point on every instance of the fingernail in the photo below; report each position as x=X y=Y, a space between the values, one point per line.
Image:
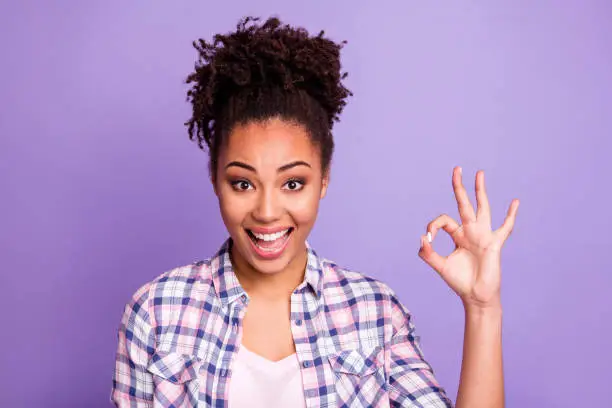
x=429 y=237
x=460 y=170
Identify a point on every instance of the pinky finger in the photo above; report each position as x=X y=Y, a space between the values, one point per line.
x=431 y=257
x=506 y=229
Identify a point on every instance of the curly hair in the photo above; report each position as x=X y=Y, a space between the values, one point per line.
x=264 y=71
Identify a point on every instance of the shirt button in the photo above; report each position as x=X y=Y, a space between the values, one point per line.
x=223 y=372
x=298 y=322
x=306 y=364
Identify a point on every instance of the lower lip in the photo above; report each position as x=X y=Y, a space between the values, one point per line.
x=270 y=254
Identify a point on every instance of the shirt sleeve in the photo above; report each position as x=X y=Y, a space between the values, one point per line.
x=411 y=378
x=132 y=383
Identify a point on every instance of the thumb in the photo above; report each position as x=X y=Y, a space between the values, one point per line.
x=430 y=256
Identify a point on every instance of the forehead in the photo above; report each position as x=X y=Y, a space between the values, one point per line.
x=270 y=142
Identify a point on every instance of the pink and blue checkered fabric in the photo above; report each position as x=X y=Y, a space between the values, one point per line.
x=355 y=341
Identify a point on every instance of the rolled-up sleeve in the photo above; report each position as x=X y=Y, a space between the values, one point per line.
x=411 y=379
x=132 y=383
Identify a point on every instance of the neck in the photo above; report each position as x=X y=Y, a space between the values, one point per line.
x=277 y=285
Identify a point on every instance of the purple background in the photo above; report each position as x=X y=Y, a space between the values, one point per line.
x=101 y=190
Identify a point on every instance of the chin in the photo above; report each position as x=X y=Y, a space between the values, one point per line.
x=269 y=267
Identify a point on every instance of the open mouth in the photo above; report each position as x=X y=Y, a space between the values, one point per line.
x=270 y=244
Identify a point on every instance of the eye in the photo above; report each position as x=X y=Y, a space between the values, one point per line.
x=294 y=185
x=241 y=185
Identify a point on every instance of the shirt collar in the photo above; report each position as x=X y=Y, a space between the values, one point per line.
x=314 y=271
x=228 y=287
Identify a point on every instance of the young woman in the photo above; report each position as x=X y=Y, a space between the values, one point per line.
x=266 y=322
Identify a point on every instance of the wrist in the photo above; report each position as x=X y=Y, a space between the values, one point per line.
x=492 y=309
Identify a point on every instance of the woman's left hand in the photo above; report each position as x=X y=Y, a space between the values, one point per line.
x=473 y=270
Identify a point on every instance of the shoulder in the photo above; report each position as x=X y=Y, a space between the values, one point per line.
x=356 y=289
x=172 y=287
x=354 y=284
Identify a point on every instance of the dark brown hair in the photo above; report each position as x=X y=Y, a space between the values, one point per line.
x=264 y=71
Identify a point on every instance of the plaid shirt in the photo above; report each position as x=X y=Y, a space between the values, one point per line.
x=355 y=341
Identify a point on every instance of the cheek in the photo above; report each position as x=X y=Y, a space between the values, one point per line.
x=233 y=210
x=304 y=210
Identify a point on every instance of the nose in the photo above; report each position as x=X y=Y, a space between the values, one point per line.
x=268 y=207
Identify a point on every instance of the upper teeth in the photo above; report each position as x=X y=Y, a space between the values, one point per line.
x=271 y=237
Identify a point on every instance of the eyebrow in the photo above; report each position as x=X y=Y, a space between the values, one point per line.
x=279 y=170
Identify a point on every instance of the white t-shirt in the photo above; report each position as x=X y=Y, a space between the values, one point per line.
x=257 y=382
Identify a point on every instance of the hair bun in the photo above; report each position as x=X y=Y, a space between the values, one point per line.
x=271 y=55
x=262 y=71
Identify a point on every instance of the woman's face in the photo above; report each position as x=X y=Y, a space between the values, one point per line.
x=269 y=182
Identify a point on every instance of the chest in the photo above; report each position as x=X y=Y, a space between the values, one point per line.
x=266 y=329
x=340 y=355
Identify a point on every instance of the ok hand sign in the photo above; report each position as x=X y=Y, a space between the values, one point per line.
x=473 y=270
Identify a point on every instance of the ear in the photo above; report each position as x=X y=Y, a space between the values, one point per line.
x=214 y=186
x=212 y=179
x=324 y=184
